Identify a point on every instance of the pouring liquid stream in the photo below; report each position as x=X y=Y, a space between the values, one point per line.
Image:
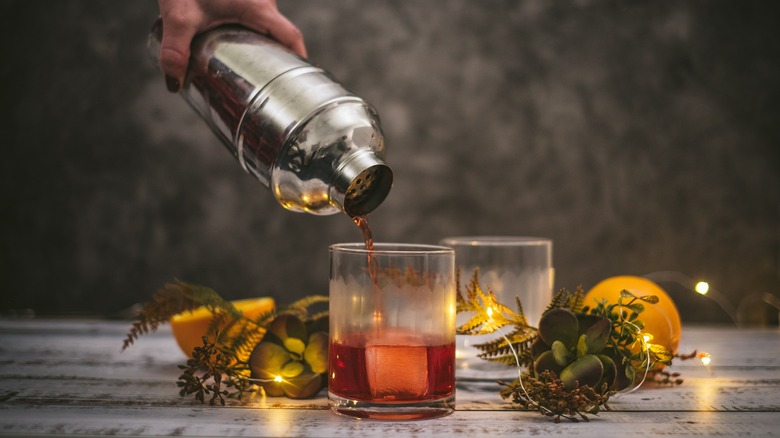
x=373 y=266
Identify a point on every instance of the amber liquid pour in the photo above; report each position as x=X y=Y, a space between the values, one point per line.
x=368 y=239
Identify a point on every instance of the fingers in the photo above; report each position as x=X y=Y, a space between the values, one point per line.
x=183 y=19
x=175 y=48
x=272 y=22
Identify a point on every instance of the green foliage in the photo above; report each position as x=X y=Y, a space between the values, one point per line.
x=576 y=359
x=210 y=372
x=219 y=368
x=631 y=353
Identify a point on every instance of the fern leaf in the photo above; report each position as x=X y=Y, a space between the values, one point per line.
x=572 y=300
x=471 y=327
x=499 y=349
x=173 y=298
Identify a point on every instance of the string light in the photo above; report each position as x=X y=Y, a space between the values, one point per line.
x=277 y=379
x=702 y=288
x=705 y=358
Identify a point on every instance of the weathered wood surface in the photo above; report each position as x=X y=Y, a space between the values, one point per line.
x=69 y=377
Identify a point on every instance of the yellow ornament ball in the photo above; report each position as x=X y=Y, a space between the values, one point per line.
x=661 y=320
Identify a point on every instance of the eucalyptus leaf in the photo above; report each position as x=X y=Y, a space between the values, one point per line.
x=637 y=307
x=652 y=299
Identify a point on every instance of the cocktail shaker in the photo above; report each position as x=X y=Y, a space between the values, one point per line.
x=316 y=145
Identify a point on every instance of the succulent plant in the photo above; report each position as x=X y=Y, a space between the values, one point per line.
x=571 y=345
x=292 y=358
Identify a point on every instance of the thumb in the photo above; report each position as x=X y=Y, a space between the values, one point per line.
x=175 y=52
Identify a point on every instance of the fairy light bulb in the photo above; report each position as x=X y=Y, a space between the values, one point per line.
x=702 y=287
x=705 y=358
x=278 y=379
x=490 y=312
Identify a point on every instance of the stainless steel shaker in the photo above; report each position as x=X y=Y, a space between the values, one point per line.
x=317 y=146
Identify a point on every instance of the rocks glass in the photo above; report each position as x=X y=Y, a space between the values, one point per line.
x=510 y=266
x=392 y=331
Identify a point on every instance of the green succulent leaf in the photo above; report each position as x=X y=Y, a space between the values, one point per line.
x=316 y=353
x=587 y=370
x=291 y=369
x=295 y=346
x=560 y=353
x=582 y=345
x=559 y=325
x=610 y=371
x=546 y=362
x=267 y=360
x=598 y=335
x=305 y=385
x=289 y=326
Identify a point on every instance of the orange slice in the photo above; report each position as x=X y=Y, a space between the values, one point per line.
x=190 y=327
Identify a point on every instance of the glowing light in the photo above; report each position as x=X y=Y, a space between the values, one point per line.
x=333 y=375
x=705 y=358
x=278 y=379
x=647 y=337
x=490 y=312
x=702 y=287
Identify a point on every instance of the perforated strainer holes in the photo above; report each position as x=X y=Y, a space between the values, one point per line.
x=361 y=185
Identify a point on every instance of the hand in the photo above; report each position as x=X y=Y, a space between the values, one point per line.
x=182 y=19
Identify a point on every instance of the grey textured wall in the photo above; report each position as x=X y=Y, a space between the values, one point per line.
x=639 y=136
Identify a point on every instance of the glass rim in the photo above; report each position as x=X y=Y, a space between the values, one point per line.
x=382 y=248
x=490 y=240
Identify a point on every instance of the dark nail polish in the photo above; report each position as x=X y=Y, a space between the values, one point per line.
x=172 y=84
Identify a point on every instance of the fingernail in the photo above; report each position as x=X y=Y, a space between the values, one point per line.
x=172 y=84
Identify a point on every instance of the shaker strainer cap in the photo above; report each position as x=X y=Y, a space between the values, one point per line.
x=362 y=182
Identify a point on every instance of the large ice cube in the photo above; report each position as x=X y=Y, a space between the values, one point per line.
x=397 y=372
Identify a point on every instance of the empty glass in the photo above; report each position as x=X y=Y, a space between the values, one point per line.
x=392 y=331
x=510 y=266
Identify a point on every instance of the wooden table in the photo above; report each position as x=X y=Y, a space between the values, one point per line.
x=69 y=378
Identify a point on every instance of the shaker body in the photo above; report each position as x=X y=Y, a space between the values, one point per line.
x=318 y=147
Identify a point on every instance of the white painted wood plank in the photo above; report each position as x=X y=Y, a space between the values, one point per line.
x=70 y=377
x=312 y=423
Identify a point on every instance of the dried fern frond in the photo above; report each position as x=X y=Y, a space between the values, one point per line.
x=489 y=313
x=300 y=308
x=171 y=299
x=572 y=300
x=500 y=349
